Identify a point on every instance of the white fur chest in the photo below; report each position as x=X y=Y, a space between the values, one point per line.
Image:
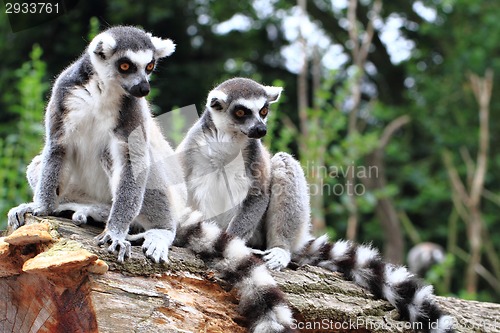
x=89 y=106
x=218 y=182
x=88 y=130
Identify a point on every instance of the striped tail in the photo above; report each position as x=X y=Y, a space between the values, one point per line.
x=364 y=265
x=261 y=301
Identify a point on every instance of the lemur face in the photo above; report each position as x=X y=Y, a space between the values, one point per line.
x=126 y=56
x=241 y=106
x=249 y=116
x=132 y=71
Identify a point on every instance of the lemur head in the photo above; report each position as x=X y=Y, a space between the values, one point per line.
x=241 y=105
x=125 y=57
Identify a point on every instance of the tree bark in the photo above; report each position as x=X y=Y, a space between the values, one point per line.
x=385 y=210
x=43 y=289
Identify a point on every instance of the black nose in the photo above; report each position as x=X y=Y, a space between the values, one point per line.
x=140 y=90
x=257 y=132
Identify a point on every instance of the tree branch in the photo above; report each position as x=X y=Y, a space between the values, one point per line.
x=392 y=128
x=482 y=89
x=456 y=183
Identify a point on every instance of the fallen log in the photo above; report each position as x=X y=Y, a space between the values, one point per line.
x=54 y=278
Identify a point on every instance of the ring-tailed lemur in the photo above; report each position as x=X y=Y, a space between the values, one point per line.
x=100 y=146
x=423 y=256
x=232 y=179
x=105 y=158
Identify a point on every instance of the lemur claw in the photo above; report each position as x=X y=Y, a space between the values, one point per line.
x=42 y=211
x=15 y=216
x=118 y=246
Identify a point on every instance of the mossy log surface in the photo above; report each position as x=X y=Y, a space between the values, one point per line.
x=54 y=278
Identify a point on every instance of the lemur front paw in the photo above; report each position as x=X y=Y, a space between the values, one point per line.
x=119 y=245
x=156 y=244
x=15 y=216
x=277 y=258
x=43 y=210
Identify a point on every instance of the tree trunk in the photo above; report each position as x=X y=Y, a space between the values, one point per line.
x=385 y=211
x=306 y=151
x=474 y=235
x=52 y=281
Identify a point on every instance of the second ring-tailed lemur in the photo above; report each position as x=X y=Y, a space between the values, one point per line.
x=232 y=179
x=100 y=157
x=105 y=157
x=423 y=256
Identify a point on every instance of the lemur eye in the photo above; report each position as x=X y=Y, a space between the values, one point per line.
x=240 y=113
x=124 y=66
x=150 y=66
x=264 y=112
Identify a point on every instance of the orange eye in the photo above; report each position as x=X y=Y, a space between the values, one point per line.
x=240 y=113
x=264 y=112
x=125 y=66
x=150 y=66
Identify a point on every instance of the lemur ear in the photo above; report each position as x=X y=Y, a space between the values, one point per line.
x=103 y=45
x=164 y=47
x=273 y=93
x=216 y=100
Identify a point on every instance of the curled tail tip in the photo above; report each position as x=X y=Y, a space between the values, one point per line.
x=416 y=301
x=261 y=301
x=267 y=310
x=278 y=320
x=265 y=327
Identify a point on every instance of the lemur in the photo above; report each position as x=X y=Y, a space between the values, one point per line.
x=423 y=256
x=105 y=158
x=233 y=180
x=100 y=146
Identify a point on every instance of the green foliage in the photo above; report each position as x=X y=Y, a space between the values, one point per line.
x=18 y=148
x=439 y=274
x=279 y=137
x=446 y=119
x=94 y=28
x=176 y=133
